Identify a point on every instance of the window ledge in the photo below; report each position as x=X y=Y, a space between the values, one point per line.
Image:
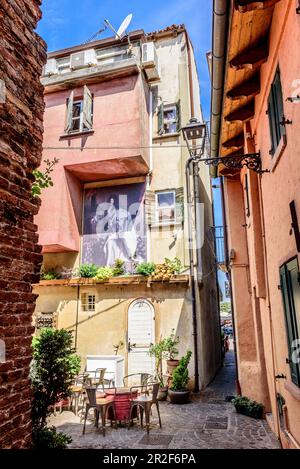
x=279 y=151
x=76 y=134
x=293 y=389
x=164 y=136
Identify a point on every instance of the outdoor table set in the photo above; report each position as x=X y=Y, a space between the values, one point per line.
x=116 y=404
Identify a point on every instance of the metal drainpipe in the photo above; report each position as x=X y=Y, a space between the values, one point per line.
x=192 y=271
x=77 y=312
x=197 y=210
x=221 y=10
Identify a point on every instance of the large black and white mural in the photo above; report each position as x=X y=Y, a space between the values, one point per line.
x=114 y=225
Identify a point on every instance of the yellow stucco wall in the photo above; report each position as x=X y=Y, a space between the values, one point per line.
x=99 y=331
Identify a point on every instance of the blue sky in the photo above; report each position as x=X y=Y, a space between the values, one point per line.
x=70 y=22
x=67 y=23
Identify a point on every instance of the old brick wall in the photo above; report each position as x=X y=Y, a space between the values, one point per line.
x=22 y=55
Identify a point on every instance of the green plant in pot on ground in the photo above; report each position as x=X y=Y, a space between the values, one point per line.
x=178 y=393
x=52 y=372
x=171 y=351
x=157 y=351
x=244 y=405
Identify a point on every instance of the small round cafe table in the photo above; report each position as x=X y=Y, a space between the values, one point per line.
x=122 y=403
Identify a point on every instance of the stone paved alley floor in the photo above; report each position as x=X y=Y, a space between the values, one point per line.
x=208 y=422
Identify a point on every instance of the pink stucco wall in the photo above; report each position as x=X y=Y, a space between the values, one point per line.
x=121 y=128
x=270 y=219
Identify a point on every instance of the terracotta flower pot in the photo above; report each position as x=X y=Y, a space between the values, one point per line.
x=179 y=397
x=162 y=393
x=171 y=365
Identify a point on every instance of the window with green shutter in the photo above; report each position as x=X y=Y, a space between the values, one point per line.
x=169 y=118
x=276 y=113
x=290 y=289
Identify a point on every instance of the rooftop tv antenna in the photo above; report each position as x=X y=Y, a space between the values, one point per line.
x=119 y=34
x=122 y=29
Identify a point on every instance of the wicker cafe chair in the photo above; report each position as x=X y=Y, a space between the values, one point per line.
x=144 y=402
x=101 y=407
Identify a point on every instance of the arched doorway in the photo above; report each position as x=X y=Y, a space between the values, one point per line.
x=141 y=334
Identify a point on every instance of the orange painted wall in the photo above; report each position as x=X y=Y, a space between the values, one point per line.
x=270 y=219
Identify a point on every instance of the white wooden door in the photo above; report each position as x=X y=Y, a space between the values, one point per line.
x=140 y=336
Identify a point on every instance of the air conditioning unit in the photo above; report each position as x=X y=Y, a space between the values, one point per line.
x=150 y=61
x=83 y=59
x=149 y=56
x=50 y=68
x=90 y=57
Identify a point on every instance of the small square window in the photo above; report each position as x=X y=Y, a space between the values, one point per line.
x=88 y=302
x=170 y=119
x=165 y=207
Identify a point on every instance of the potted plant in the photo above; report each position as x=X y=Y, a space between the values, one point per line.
x=171 y=352
x=178 y=393
x=244 y=405
x=157 y=351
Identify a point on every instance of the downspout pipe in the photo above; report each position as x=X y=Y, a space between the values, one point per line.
x=221 y=10
x=189 y=163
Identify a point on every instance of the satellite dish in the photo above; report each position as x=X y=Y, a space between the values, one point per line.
x=124 y=26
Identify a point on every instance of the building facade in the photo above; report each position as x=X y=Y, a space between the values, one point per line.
x=114 y=111
x=258 y=113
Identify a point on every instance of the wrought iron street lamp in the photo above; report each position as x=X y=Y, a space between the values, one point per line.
x=194 y=134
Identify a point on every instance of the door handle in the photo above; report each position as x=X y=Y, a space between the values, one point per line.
x=130 y=346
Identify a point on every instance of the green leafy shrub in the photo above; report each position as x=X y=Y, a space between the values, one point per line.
x=157 y=351
x=244 y=405
x=180 y=376
x=174 y=265
x=88 y=270
x=52 y=371
x=104 y=273
x=145 y=268
x=170 y=346
x=49 y=438
x=43 y=178
x=118 y=268
x=49 y=274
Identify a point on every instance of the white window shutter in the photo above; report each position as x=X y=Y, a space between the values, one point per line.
x=69 y=116
x=87 y=108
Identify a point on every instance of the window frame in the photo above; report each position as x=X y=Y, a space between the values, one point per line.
x=167 y=108
x=70 y=102
x=157 y=208
x=162 y=121
x=276 y=113
x=291 y=320
x=80 y=117
x=85 y=303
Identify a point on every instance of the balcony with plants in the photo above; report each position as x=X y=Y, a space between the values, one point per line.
x=171 y=271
